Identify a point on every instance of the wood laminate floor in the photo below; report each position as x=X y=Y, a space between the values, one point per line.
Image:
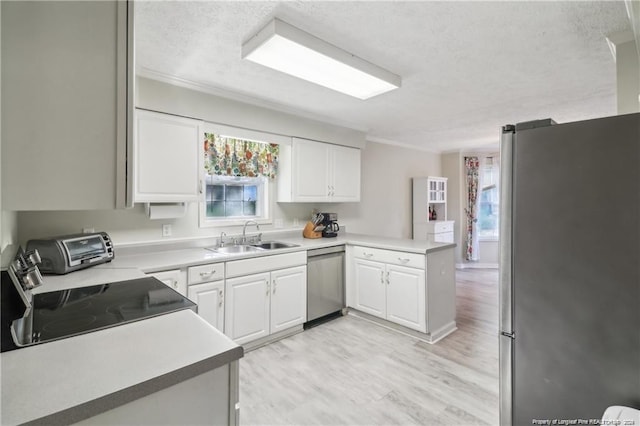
x=352 y=372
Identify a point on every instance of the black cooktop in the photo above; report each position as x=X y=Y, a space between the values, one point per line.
x=65 y=313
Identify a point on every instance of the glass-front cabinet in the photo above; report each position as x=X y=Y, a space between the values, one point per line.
x=430 y=210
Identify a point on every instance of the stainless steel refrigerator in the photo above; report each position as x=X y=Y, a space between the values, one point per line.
x=569 y=269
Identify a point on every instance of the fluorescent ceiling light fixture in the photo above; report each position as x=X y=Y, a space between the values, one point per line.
x=288 y=49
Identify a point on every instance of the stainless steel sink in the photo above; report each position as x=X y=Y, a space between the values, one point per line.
x=270 y=245
x=235 y=249
x=248 y=248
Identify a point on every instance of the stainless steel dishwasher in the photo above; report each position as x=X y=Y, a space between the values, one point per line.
x=325 y=283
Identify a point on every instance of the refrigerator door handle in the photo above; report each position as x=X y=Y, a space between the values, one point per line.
x=506 y=229
x=506 y=275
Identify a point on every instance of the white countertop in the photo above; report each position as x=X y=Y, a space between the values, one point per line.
x=96 y=275
x=152 y=259
x=42 y=380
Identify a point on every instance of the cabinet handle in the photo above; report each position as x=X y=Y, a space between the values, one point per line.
x=221 y=298
x=274 y=286
x=387 y=277
x=174 y=284
x=200 y=186
x=328 y=191
x=268 y=287
x=403 y=260
x=367 y=255
x=382 y=277
x=204 y=274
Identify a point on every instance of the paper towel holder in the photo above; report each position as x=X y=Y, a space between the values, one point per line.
x=165 y=210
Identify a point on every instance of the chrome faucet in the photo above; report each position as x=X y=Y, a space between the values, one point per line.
x=222 y=235
x=244 y=230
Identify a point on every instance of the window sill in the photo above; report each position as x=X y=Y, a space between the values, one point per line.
x=488 y=239
x=224 y=223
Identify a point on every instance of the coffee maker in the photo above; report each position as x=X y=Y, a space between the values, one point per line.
x=331 y=226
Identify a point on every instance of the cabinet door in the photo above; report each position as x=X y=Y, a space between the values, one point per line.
x=64 y=104
x=288 y=298
x=345 y=167
x=406 y=297
x=210 y=300
x=246 y=315
x=310 y=171
x=174 y=279
x=166 y=152
x=370 y=291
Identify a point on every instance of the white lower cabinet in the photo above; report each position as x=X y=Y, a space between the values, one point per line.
x=262 y=304
x=288 y=298
x=210 y=300
x=247 y=311
x=392 y=292
x=406 y=297
x=370 y=288
x=206 y=289
x=176 y=279
x=388 y=284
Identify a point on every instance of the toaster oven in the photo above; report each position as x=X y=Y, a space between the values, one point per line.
x=68 y=253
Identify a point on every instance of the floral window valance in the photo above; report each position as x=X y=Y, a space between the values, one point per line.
x=237 y=157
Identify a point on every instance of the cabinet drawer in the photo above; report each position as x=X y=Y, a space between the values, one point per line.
x=393 y=257
x=265 y=263
x=443 y=237
x=444 y=226
x=206 y=273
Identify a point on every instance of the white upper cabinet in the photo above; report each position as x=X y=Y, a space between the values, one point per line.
x=166 y=164
x=345 y=167
x=311 y=171
x=66 y=69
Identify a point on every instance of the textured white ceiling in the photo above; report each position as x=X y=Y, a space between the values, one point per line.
x=467 y=67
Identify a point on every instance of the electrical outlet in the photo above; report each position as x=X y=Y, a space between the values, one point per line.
x=279 y=223
x=88 y=230
x=166 y=230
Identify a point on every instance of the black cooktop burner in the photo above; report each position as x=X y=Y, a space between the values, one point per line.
x=59 y=314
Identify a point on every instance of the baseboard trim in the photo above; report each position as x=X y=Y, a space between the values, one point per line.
x=425 y=337
x=255 y=344
x=443 y=332
x=477 y=266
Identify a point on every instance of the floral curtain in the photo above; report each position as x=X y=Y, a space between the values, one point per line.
x=238 y=157
x=472 y=167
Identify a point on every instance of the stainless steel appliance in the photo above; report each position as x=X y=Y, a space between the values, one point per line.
x=569 y=278
x=330 y=225
x=325 y=282
x=68 y=253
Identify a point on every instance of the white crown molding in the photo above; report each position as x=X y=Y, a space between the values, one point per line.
x=242 y=97
x=400 y=144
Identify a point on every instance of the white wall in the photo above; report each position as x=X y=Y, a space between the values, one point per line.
x=158 y=96
x=385 y=208
x=128 y=226
x=627 y=77
x=453 y=170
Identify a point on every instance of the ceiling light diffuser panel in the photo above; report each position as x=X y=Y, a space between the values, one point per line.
x=288 y=49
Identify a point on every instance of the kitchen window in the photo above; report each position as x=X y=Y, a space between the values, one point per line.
x=489 y=200
x=238 y=175
x=235 y=197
